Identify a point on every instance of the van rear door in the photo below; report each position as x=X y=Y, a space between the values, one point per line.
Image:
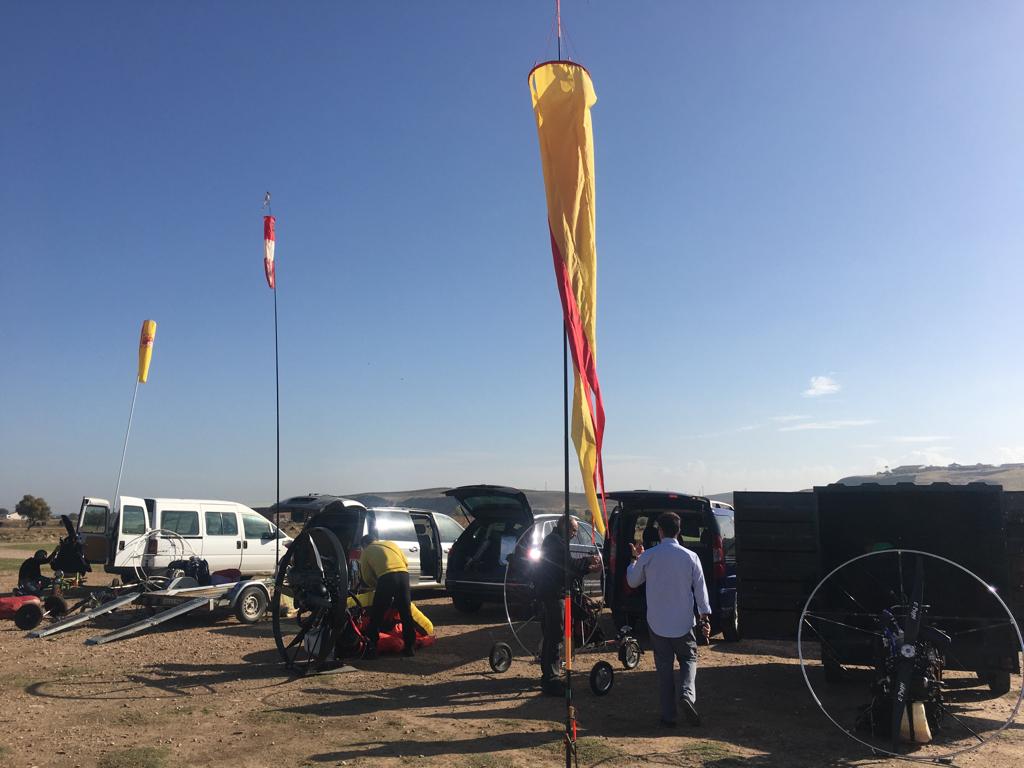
x=94 y=529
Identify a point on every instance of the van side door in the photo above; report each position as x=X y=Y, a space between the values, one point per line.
x=396 y=526
x=94 y=529
x=131 y=526
x=222 y=542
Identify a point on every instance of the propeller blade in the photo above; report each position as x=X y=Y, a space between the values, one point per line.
x=912 y=623
x=900 y=697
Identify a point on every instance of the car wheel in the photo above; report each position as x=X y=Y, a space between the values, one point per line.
x=466 y=604
x=500 y=657
x=55 y=605
x=251 y=605
x=28 y=616
x=602 y=677
x=629 y=654
x=998 y=682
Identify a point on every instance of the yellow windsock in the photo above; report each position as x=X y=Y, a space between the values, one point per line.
x=146 y=348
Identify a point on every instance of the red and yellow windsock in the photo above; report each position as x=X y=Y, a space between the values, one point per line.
x=562 y=97
x=146 y=339
x=268 y=248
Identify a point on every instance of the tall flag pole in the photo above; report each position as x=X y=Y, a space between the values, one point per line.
x=146 y=338
x=268 y=268
x=563 y=95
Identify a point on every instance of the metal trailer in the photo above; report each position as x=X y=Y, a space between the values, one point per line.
x=247 y=599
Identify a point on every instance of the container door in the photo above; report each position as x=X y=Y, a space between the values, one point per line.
x=259 y=544
x=222 y=545
x=94 y=529
x=396 y=526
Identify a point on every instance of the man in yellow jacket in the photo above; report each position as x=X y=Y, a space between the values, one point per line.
x=385 y=570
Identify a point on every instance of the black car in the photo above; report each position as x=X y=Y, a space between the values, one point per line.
x=499 y=518
x=707 y=529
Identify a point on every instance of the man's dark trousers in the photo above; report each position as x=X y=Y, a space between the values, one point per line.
x=393 y=591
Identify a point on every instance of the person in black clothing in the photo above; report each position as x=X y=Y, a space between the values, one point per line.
x=550 y=585
x=30 y=579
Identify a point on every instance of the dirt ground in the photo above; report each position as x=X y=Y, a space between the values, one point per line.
x=212 y=692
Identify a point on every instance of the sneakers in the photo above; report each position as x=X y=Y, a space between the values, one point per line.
x=690 y=712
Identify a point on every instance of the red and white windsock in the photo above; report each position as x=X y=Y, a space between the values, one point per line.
x=268 y=248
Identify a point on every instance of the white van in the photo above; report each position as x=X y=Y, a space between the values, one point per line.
x=224 y=533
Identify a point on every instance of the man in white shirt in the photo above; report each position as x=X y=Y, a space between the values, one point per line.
x=675 y=582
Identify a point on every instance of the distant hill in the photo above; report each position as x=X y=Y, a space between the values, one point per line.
x=1010 y=476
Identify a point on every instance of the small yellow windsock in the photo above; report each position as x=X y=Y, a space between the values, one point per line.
x=146 y=348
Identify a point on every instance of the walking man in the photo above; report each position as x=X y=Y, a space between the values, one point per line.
x=675 y=583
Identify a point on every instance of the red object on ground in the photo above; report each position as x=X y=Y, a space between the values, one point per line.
x=10 y=605
x=392 y=641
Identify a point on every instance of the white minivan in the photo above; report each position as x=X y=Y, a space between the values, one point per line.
x=151 y=533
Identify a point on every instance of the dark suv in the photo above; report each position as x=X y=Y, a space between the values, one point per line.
x=499 y=517
x=707 y=529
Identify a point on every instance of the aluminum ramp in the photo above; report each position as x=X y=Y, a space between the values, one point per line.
x=74 y=621
x=152 y=621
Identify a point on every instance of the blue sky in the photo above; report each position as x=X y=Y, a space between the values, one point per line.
x=785 y=190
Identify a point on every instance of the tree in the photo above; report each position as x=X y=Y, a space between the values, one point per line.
x=35 y=509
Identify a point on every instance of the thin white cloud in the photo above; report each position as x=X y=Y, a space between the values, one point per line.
x=834 y=424
x=788 y=418
x=822 y=385
x=920 y=438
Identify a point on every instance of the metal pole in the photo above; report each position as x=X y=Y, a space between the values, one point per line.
x=124 y=450
x=570 y=712
x=277 y=409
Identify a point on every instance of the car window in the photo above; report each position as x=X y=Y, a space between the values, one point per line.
x=587 y=536
x=256 y=526
x=133 y=521
x=395 y=526
x=94 y=520
x=449 y=529
x=221 y=524
x=726 y=529
x=182 y=522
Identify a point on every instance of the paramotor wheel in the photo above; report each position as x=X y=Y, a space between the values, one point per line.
x=309 y=604
x=524 y=610
x=500 y=657
x=602 y=677
x=629 y=653
x=912 y=635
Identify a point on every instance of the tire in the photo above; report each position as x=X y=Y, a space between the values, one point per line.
x=731 y=627
x=500 y=657
x=28 y=616
x=251 y=605
x=998 y=682
x=56 y=606
x=629 y=654
x=602 y=677
x=466 y=604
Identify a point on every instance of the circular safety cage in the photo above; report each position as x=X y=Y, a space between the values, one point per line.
x=911 y=655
